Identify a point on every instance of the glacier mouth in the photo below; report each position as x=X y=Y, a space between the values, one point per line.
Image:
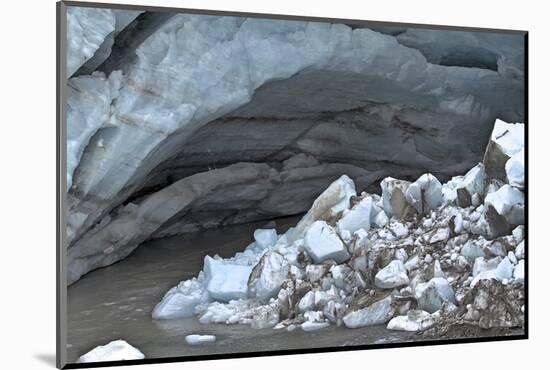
x=204 y=121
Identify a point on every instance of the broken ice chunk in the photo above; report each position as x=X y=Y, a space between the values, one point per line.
x=333 y=201
x=225 y=280
x=358 y=217
x=424 y=194
x=392 y=276
x=415 y=320
x=265 y=238
x=504 y=270
x=195 y=339
x=431 y=295
x=504 y=209
x=311 y=326
x=274 y=270
x=393 y=197
x=118 y=350
x=181 y=301
x=519 y=271
x=473 y=183
x=506 y=140
x=377 y=313
x=515 y=170
x=322 y=242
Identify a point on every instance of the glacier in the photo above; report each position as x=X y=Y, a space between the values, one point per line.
x=206 y=121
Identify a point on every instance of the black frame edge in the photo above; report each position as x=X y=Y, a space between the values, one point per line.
x=61 y=362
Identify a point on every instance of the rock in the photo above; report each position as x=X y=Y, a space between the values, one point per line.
x=195 y=339
x=506 y=140
x=392 y=276
x=356 y=218
x=415 y=320
x=473 y=183
x=274 y=271
x=118 y=350
x=431 y=295
x=424 y=194
x=377 y=313
x=265 y=238
x=225 y=280
x=321 y=243
x=181 y=301
x=496 y=305
x=393 y=197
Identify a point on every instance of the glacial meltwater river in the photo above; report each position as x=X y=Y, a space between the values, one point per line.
x=116 y=303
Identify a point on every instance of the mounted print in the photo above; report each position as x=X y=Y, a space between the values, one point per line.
x=234 y=184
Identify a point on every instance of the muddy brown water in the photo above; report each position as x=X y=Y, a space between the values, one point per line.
x=116 y=303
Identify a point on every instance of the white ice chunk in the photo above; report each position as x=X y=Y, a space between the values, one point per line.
x=424 y=194
x=504 y=270
x=393 y=196
x=334 y=200
x=484 y=275
x=377 y=313
x=508 y=136
x=504 y=199
x=415 y=320
x=392 y=276
x=265 y=238
x=195 y=339
x=515 y=170
x=519 y=271
x=307 y=303
x=473 y=183
x=118 y=350
x=225 y=280
x=507 y=202
x=431 y=295
x=181 y=301
x=358 y=217
x=322 y=242
x=274 y=271
x=311 y=326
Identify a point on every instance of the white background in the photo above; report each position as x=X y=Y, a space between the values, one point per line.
x=27 y=205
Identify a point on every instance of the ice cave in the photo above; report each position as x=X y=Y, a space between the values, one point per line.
x=290 y=178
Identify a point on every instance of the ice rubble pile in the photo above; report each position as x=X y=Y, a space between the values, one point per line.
x=421 y=254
